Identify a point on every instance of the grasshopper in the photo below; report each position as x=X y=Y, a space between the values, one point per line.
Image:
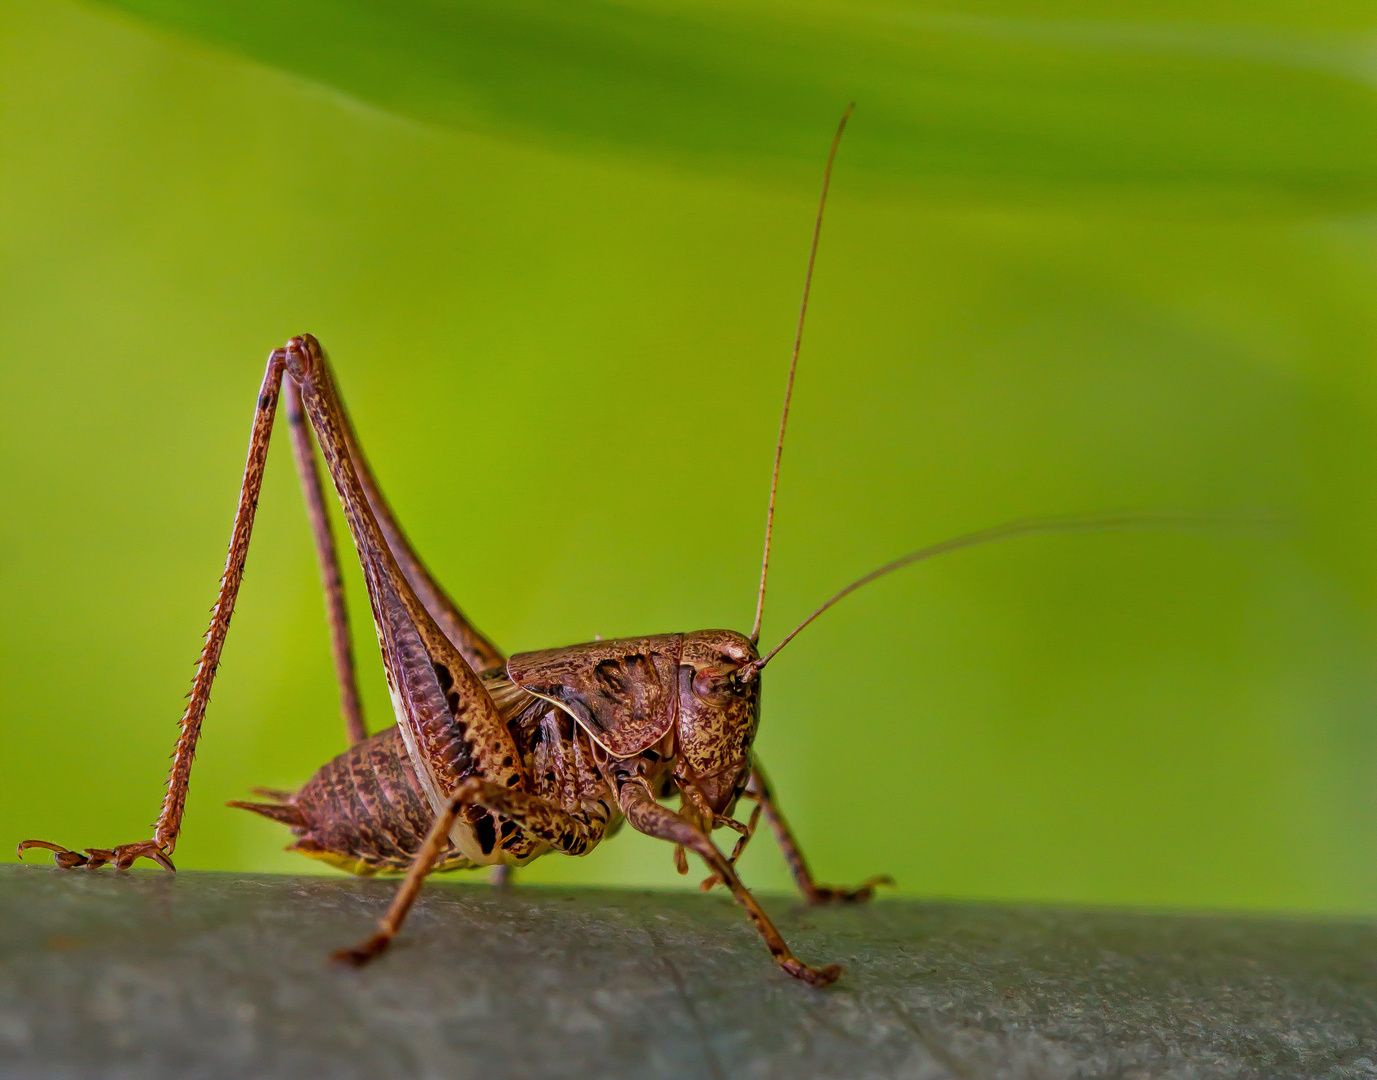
x=496 y=760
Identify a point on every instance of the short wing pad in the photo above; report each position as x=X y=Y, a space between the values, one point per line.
x=623 y=692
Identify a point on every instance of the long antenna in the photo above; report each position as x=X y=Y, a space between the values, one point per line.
x=1023 y=527
x=793 y=365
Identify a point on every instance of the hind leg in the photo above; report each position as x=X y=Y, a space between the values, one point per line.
x=428 y=669
x=169 y=823
x=477 y=650
x=451 y=727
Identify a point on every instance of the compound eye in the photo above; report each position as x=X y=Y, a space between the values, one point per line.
x=712 y=685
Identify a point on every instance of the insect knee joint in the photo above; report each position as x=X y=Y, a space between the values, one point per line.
x=468 y=793
x=303 y=357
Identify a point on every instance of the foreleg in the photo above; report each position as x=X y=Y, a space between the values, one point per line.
x=747 y=832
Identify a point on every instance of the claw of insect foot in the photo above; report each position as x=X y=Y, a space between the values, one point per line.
x=64 y=857
x=46 y=845
x=818 y=977
x=827 y=976
x=361 y=954
x=827 y=894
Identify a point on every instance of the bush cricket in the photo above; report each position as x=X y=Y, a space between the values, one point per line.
x=496 y=760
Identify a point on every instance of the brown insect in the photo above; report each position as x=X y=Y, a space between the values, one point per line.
x=495 y=761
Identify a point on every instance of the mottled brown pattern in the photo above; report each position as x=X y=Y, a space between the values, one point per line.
x=453 y=732
x=622 y=691
x=718 y=715
x=365 y=810
x=551 y=752
x=490 y=762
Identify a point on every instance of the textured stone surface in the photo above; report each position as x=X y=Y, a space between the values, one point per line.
x=211 y=975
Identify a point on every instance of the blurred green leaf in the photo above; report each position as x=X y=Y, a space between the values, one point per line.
x=1079 y=256
x=1020 y=104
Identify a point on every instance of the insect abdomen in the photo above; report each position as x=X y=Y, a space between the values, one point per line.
x=364 y=812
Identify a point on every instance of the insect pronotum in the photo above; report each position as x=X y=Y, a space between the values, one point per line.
x=495 y=760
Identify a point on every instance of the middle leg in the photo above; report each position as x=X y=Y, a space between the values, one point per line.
x=647 y=816
x=571 y=834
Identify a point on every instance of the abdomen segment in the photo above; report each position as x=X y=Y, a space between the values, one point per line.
x=364 y=812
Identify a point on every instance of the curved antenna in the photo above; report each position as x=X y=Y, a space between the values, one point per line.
x=1022 y=527
x=793 y=365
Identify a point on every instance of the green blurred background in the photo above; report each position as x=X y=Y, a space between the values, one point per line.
x=1080 y=256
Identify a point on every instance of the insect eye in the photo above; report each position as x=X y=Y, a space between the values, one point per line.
x=709 y=685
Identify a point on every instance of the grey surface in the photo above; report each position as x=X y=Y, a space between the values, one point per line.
x=210 y=975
